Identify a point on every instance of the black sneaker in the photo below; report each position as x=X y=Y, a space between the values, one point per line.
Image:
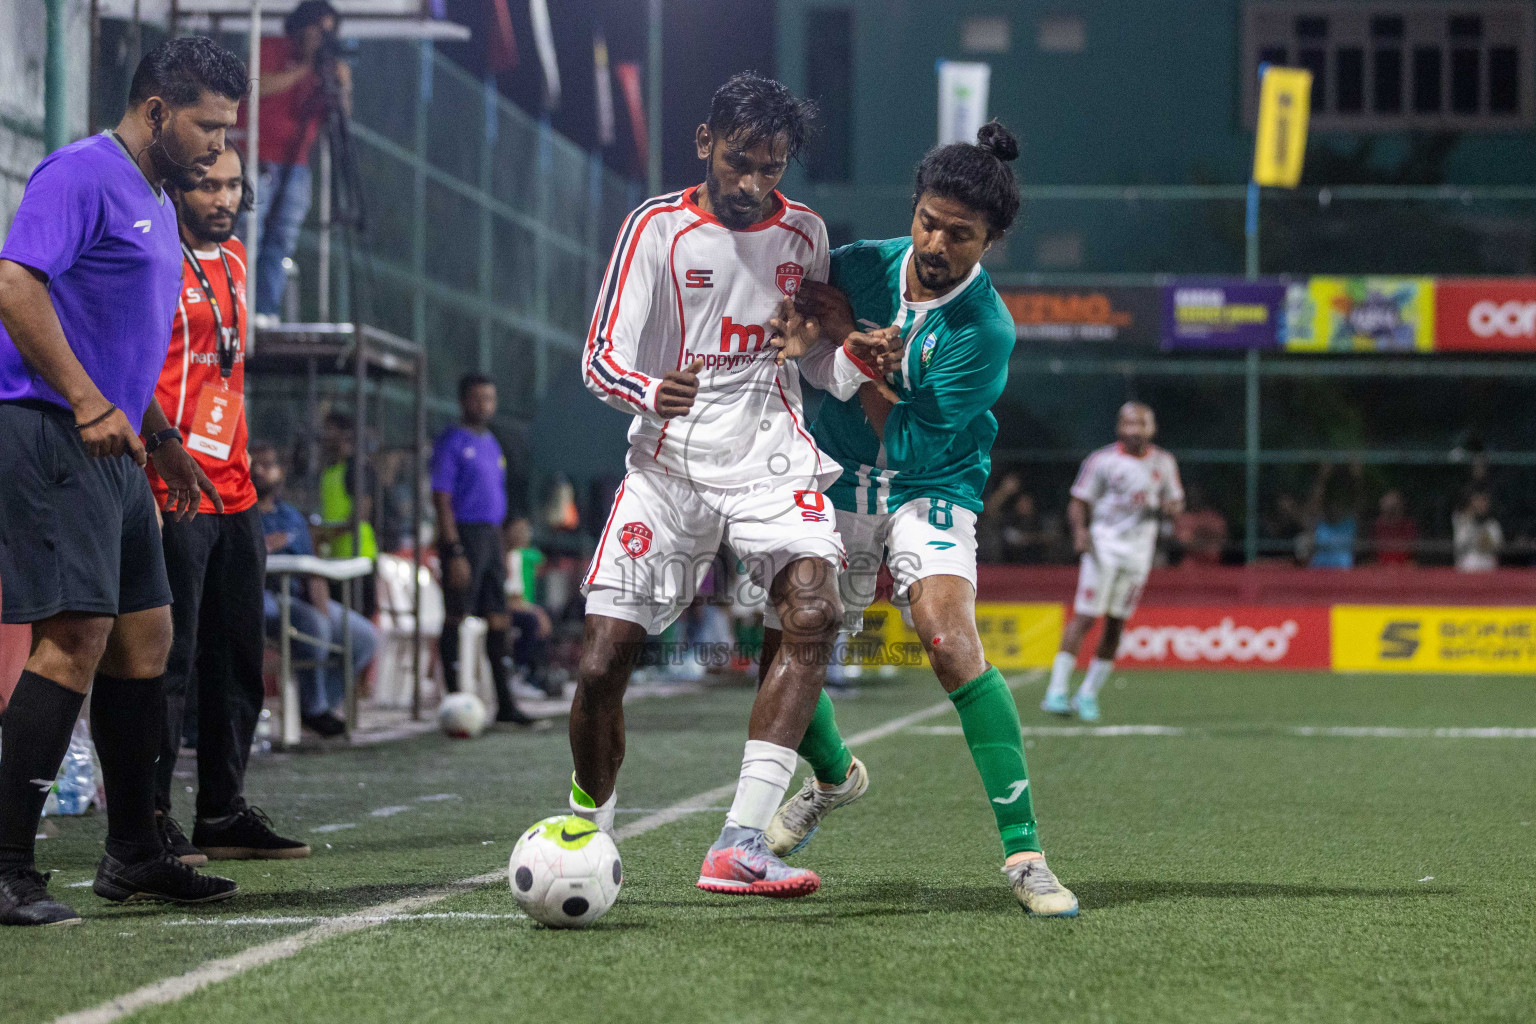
x=326 y=724
x=177 y=843
x=24 y=900
x=246 y=835
x=161 y=879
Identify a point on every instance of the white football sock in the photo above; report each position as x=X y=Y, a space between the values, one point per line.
x=1098 y=672
x=601 y=815
x=766 y=770
x=1061 y=674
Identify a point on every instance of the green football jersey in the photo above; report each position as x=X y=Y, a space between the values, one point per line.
x=938 y=440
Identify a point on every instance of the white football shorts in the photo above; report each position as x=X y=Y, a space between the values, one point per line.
x=1109 y=586
x=924 y=537
x=664 y=531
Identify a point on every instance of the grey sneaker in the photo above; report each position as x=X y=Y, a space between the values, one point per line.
x=1038 y=892
x=740 y=864
x=796 y=822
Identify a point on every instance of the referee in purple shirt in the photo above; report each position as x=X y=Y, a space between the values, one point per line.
x=469 y=492
x=89 y=278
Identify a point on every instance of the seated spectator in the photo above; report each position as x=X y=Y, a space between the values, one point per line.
x=1200 y=530
x=1025 y=533
x=1333 y=512
x=1475 y=535
x=1394 y=535
x=322 y=687
x=530 y=651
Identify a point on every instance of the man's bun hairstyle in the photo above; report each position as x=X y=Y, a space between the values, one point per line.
x=750 y=109
x=975 y=175
x=179 y=70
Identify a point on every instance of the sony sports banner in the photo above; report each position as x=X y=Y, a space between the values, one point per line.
x=1117 y=315
x=1485 y=315
x=1221 y=637
x=1361 y=314
x=1403 y=638
x=1222 y=313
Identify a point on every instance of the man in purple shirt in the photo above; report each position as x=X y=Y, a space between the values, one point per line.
x=89 y=276
x=469 y=492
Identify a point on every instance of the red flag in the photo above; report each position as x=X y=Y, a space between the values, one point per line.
x=629 y=79
x=501 y=49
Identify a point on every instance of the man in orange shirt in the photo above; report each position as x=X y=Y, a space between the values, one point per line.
x=216 y=562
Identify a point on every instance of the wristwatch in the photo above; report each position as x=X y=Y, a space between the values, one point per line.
x=153 y=442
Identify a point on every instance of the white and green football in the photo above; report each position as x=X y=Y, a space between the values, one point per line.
x=565 y=872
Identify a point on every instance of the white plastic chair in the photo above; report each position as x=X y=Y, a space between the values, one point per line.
x=396 y=621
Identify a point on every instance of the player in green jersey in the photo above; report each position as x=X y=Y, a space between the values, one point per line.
x=913 y=436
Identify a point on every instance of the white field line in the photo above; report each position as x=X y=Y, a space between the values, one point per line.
x=227 y=922
x=1335 y=731
x=170 y=990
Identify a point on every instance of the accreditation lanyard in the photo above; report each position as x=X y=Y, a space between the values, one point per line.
x=229 y=337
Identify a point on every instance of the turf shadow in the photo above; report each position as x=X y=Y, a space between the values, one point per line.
x=1102 y=895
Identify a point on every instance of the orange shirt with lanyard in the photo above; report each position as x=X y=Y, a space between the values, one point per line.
x=202 y=385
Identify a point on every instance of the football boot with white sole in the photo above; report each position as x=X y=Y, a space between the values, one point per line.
x=796 y=822
x=1036 y=888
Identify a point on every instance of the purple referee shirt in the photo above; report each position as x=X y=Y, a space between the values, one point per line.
x=107 y=242
x=471 y=469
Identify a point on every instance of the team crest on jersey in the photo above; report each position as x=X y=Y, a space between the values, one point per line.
x=636 y=538
x=789 y=277
x=927 y=350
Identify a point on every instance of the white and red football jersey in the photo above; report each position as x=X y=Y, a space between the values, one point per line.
x=1127 y=493
x=681 y=287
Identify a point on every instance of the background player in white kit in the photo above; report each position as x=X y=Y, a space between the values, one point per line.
x=718 y=452
x=1126 y=488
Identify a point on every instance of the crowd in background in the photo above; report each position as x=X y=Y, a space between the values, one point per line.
x=1341 y=520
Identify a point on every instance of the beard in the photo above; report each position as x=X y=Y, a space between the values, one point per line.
x=263 y=486
x=935 y=275
x=730 y=211
x=184 y=175
x=203 y=229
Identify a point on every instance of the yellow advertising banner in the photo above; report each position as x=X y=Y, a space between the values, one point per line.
x=1285 y=102
x=1361 y=314
x=1015 y=635
x=1400 y=638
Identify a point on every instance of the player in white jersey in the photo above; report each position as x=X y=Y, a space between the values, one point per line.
x=1121 y=494
x=719 y=452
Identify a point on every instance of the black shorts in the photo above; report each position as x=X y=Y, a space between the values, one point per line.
x=77 y=534
x=487 y=591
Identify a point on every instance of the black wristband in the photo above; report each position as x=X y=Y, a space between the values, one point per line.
x=153 y=442
x=87 y=426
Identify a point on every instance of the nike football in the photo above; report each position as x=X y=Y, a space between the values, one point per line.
x=565 y=872
x=461 y=716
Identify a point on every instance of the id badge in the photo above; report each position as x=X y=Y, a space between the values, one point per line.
x=215 y=421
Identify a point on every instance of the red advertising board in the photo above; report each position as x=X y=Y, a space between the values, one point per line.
x=1485 y=315
x=1222 y=637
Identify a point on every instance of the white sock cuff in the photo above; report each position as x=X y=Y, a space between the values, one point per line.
x=766 y=771
x=601 y=815
x=768 y=761
x=1098 y=672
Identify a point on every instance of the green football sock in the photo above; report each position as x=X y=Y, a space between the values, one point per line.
x=990 y=721
x=823 y=745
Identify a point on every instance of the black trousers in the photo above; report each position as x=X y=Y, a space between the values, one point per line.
x=217 y=566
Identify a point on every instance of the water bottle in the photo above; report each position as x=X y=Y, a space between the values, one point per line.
x=261 y=743
x=75 y=787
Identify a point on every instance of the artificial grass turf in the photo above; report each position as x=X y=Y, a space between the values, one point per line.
x=1235 y=872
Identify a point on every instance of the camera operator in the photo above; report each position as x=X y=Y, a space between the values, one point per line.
x=301 y=77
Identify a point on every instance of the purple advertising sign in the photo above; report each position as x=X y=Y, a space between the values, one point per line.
x=1214 y=313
